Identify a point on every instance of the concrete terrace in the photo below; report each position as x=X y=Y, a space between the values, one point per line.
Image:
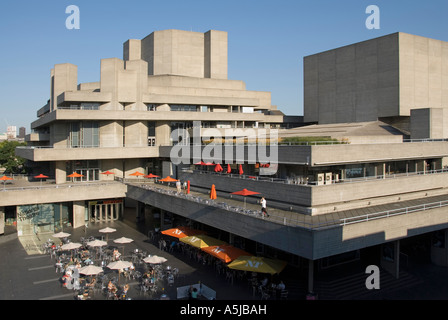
x=311 y=237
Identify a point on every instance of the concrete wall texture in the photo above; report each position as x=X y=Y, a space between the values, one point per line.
x=184 y=53
x=383 y=77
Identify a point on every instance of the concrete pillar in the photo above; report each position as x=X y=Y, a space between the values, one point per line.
x=78 y=214
x=231 y=238
x=60 y=172
x=439 y=249
x=310 y=276
x=167 y=168
x=135 y=134
x=163 y=133
x=106 y=211
x=2 y=220
x=390 y=258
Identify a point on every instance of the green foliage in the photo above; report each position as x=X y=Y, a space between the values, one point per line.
x=8 y=159
x=311 y=140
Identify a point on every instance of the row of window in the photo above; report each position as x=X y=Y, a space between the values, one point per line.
x=152 y=107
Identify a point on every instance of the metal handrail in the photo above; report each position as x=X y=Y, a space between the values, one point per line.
x=58 y=186
x=393 y=212
x=296 y=222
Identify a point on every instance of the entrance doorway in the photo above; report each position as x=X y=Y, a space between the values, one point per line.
x=105 y=210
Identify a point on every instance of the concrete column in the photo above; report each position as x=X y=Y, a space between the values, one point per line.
x=231 y=238
x=106 y=211
x=439 y=250
x=310 y=276
x=167 y=168
x=60 y=172
x=2 y=220
x=390 y=258
x=136 y=134
x=163 y=132
x=78 y=214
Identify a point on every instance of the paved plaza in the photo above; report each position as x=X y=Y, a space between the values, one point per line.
x=29 y=274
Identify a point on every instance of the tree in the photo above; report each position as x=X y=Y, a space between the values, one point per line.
x=8 y=158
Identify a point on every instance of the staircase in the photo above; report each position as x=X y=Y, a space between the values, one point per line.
x=353 y=287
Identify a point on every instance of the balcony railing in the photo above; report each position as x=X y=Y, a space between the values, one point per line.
x=294 y=219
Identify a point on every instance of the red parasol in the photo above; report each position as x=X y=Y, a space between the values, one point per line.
x=228 y=168
x=245 y=193
x=75 y=175
x=151 y=176
x=182 y=231
x=213 y=192
x=137 y=174
x=218 y=168
x=225 y=252
x=168 y=179
x=241 y=170
x=107 y=172
x=41 y=176
x=4 y=178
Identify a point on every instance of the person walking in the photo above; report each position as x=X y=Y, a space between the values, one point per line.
x=264 y=211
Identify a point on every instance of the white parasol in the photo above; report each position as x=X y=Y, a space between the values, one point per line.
x=61 y=235
x=119 y=265
x=96 y=243
x=155 y=259
x=71 y=246
x=90 y=270
x=107 y=231
x=123 y=240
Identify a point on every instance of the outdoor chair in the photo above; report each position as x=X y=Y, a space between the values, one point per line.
x=265 y=295
x=143 y=287
x=284 y=294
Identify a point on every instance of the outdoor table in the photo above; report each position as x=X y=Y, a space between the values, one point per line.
x=59 y=267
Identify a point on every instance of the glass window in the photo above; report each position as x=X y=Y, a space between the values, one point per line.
x=182 y=107
x=90 y=106
x=84 y=134
x=150 y=107
x=90 y=134
x=74 y=134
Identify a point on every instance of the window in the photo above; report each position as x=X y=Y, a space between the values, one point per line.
x=84 y=134
x=150 y=107
x=83 y=106
x=183 y=107
x=88 y=168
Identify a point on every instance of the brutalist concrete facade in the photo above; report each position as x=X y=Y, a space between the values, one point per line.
x=379 y=78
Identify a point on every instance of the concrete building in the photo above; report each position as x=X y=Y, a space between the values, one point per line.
x=362 y=184
x=22 y=133
x=164 y=82
x=388 y=78
x=11 y=132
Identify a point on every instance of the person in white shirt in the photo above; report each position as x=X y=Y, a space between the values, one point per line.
x=264 y=211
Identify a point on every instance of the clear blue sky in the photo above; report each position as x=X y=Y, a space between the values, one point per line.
x=267 y=39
